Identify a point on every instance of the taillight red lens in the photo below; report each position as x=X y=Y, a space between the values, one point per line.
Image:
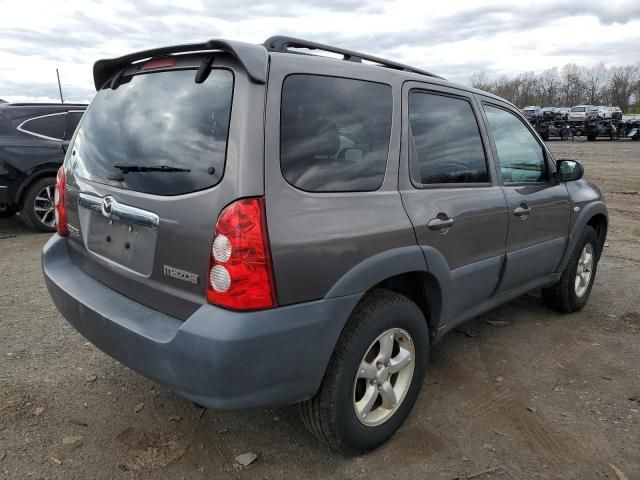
x=240 y=273
x=159 y=63
x=60 y=209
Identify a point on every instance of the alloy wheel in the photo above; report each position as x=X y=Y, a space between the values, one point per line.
x=384 y=377
x=43 y=206
x=584 y=271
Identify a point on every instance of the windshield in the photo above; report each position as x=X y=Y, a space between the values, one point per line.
x=578 y=109
x=171 y=129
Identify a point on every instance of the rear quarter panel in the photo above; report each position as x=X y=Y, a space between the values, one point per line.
x=316 y=238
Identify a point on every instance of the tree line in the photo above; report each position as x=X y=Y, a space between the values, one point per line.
x=568 y=86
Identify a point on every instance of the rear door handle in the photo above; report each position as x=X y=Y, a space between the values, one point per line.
x=441 y=222
x=522 y=211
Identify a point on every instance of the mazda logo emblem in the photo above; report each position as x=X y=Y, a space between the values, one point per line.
x=107 y=206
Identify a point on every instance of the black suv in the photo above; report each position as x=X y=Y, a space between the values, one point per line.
x=33 y=141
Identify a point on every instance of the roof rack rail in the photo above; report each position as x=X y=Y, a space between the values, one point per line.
x=44 y=104
x=282 y=44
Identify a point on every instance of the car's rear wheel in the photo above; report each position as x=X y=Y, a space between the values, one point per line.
x=38 y=207
x=572 y=291
x=373 y=377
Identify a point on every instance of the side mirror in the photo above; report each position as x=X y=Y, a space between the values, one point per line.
x=569 y=170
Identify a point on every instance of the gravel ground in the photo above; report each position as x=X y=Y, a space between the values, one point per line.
x=545 y=396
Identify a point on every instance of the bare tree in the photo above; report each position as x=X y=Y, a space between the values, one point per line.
x=595 y=80
x=572 y=87
x=568 y=86
x=624 y=81
x=481 y=81
x=550 y=87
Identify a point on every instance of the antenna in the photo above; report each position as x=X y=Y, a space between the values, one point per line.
x=59 y=86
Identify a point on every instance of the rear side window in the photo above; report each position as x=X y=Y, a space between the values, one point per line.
x=445 y=142
x=73 y=118
x=49 y=126
x=160 y=133
x=334 y=133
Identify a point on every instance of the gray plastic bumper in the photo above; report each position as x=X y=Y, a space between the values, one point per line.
x=217 y=358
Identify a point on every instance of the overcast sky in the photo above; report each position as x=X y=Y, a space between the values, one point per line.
x=452 y=38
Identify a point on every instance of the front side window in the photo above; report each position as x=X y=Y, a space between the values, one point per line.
x=521 y=157
x=49 y=126
x=445 y=142
x=334 y=133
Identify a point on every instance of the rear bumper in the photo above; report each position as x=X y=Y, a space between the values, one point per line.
x=217 y=358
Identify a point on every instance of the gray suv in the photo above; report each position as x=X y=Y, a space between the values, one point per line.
x=259 y=225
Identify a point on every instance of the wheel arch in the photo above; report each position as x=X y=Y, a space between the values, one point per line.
x=594 y=214
x=31 y=179
x=600 y=224
x=402 y=270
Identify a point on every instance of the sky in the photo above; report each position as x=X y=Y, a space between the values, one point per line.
x=452 y=38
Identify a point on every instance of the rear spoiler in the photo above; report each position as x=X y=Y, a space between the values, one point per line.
x=253 y=59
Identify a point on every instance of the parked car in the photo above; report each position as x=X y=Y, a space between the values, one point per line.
x=533 y=113
x=583 y=113
x=548 y=113
x=340 y=218
x=562 y=113
x=33 y=139
x=604 y=113
x=616 y=113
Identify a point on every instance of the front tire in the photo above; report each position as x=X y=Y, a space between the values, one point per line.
x=374 y=376
x=38 y=208
x=572 y=291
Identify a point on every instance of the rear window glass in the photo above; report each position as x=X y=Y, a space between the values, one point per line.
x=334 y=133
x=578 y=109
x=50 y=126
x=154 y=121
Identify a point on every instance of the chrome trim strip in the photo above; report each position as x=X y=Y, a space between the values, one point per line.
x=119 y=211
x=29 y=132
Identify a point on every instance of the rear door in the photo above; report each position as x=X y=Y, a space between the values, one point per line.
x=451 y=195
x=150 y=167
x=539 y=212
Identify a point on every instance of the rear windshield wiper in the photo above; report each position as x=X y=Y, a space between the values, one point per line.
x=148 y=168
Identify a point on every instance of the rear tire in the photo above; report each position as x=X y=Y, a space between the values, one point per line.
x=570 y=294
x=337 y=415
x=37 y=210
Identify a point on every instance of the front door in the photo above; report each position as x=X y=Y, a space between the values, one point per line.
x=539 y=211
x=450 y=193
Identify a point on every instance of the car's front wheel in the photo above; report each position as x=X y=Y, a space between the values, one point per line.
x=571 y=292
x=38 y=208
x=373 y=377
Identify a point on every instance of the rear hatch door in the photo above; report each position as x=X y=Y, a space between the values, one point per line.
x=152 y=164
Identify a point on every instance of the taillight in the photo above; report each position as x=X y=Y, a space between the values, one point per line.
x=240 y=272
x=159 y=63
x=60 y=209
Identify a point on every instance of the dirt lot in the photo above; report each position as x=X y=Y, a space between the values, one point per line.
x=545 y=396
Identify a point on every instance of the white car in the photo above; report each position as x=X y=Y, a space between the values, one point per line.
x=583 y=113
x=603 y=112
